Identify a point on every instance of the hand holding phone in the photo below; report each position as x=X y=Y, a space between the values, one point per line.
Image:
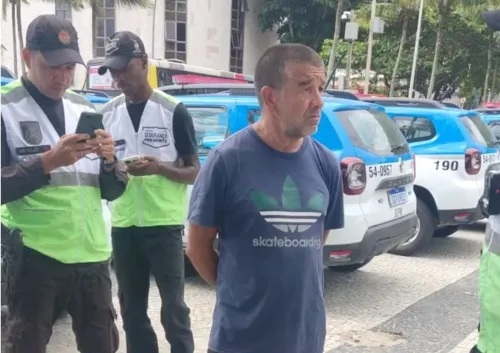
x=131 y=159
x=89 y=122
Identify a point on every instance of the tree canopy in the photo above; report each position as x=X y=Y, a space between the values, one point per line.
x=462 y=61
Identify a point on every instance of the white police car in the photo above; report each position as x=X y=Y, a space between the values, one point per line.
x=453 y=150
x=377 y=167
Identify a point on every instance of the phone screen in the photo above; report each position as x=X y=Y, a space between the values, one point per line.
x=88 y=123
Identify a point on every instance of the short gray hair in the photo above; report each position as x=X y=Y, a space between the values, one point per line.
x=270 y=69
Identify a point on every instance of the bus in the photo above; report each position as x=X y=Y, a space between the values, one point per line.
x=163 y=72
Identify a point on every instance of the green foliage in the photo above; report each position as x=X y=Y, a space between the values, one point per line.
x=463 y=56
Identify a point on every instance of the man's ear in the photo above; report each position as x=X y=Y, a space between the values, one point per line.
x=27 y=56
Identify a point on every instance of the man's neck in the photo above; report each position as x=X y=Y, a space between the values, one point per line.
x=141 y=95
x=274 y=137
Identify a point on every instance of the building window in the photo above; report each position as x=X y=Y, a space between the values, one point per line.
x=104 y=26
x=63 y=10
x=238 y=9
x=175 y=29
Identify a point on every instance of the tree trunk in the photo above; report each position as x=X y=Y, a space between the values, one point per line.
x=488 y=66
x=437 y=51
x=336 y=35
x=494 y=79
x=400 y=54
x=20 y=34
x=13 y=5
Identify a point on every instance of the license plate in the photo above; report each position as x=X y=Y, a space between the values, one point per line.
x=397 y=196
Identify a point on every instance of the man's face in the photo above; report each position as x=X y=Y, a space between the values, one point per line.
x=298 y=104
x=51 y=81
x=132 y=77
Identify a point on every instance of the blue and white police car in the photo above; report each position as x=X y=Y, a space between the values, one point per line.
x=377 y=166
x=453 y=149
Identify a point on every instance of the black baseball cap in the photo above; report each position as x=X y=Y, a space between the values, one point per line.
x=492 y=19
x=55 y=38
x=120 y=49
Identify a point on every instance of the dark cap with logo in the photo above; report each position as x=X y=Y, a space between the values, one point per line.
x=120 y=49
x=492 y=19
x=55 y=38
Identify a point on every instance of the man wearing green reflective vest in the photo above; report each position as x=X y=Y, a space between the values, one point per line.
x=53 y=181
x=155 y=137
x=489 y=268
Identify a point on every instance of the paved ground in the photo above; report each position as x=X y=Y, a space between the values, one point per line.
x=425 y=304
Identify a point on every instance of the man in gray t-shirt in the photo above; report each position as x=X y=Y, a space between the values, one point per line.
x=271 y=193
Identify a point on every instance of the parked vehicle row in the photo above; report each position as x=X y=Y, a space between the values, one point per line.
x=389 y=205
x=452 y=149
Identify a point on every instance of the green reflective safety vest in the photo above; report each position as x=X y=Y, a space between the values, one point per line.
x=151 y=200
x=489 y=289
x=63 y=220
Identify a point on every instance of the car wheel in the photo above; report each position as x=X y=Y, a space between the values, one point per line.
x=349 y=268
x=446 y=231
x=423 y=236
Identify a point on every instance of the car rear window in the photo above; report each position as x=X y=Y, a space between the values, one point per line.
x=210 y=125
x=489 y=111
x=415 y=129
x=478 y=130
x=373 y=130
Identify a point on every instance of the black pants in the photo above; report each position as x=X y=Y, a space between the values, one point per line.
x=137 y=252
x=45 y=289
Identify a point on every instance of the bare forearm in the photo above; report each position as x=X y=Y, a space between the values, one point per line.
x=325 y=236
x=205 y=262
x=184 y=175
x=113 y=181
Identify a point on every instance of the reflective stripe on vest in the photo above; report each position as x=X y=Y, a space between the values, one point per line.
x=148 y=200
x=489 y=289
x=63 y=219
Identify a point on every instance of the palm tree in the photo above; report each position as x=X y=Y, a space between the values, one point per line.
x=336 y=35
x=473 y=13
x=445 y=7
x=399 y=9
x=14 y=4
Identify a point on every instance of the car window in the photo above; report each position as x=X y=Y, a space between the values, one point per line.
x=489 y=111
x=210 y=125
x=415 y=129
x=478 y=130
x=373 y=130
x=494 y=127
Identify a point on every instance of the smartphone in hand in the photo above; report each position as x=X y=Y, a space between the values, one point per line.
x=88 y=123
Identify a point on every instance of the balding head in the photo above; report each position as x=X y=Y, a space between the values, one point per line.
x=271 y=67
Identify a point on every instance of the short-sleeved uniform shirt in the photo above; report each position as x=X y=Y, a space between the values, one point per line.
x=271 y=209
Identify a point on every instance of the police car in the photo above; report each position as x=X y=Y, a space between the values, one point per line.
x=491 y=118
x=377 y=167
x=453 y=149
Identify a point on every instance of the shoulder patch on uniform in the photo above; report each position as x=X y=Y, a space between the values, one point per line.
x=76 y=98
x=13 y=92
x=165 y=100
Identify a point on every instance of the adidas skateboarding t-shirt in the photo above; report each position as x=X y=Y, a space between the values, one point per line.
x=271 y=209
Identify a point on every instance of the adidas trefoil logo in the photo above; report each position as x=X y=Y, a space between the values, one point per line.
x=290 y=216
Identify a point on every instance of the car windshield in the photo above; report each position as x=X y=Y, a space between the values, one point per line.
x=374 y=131
x=479 y=131
x=210 y=125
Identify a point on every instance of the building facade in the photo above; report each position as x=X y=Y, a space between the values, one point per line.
x=219 y=34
